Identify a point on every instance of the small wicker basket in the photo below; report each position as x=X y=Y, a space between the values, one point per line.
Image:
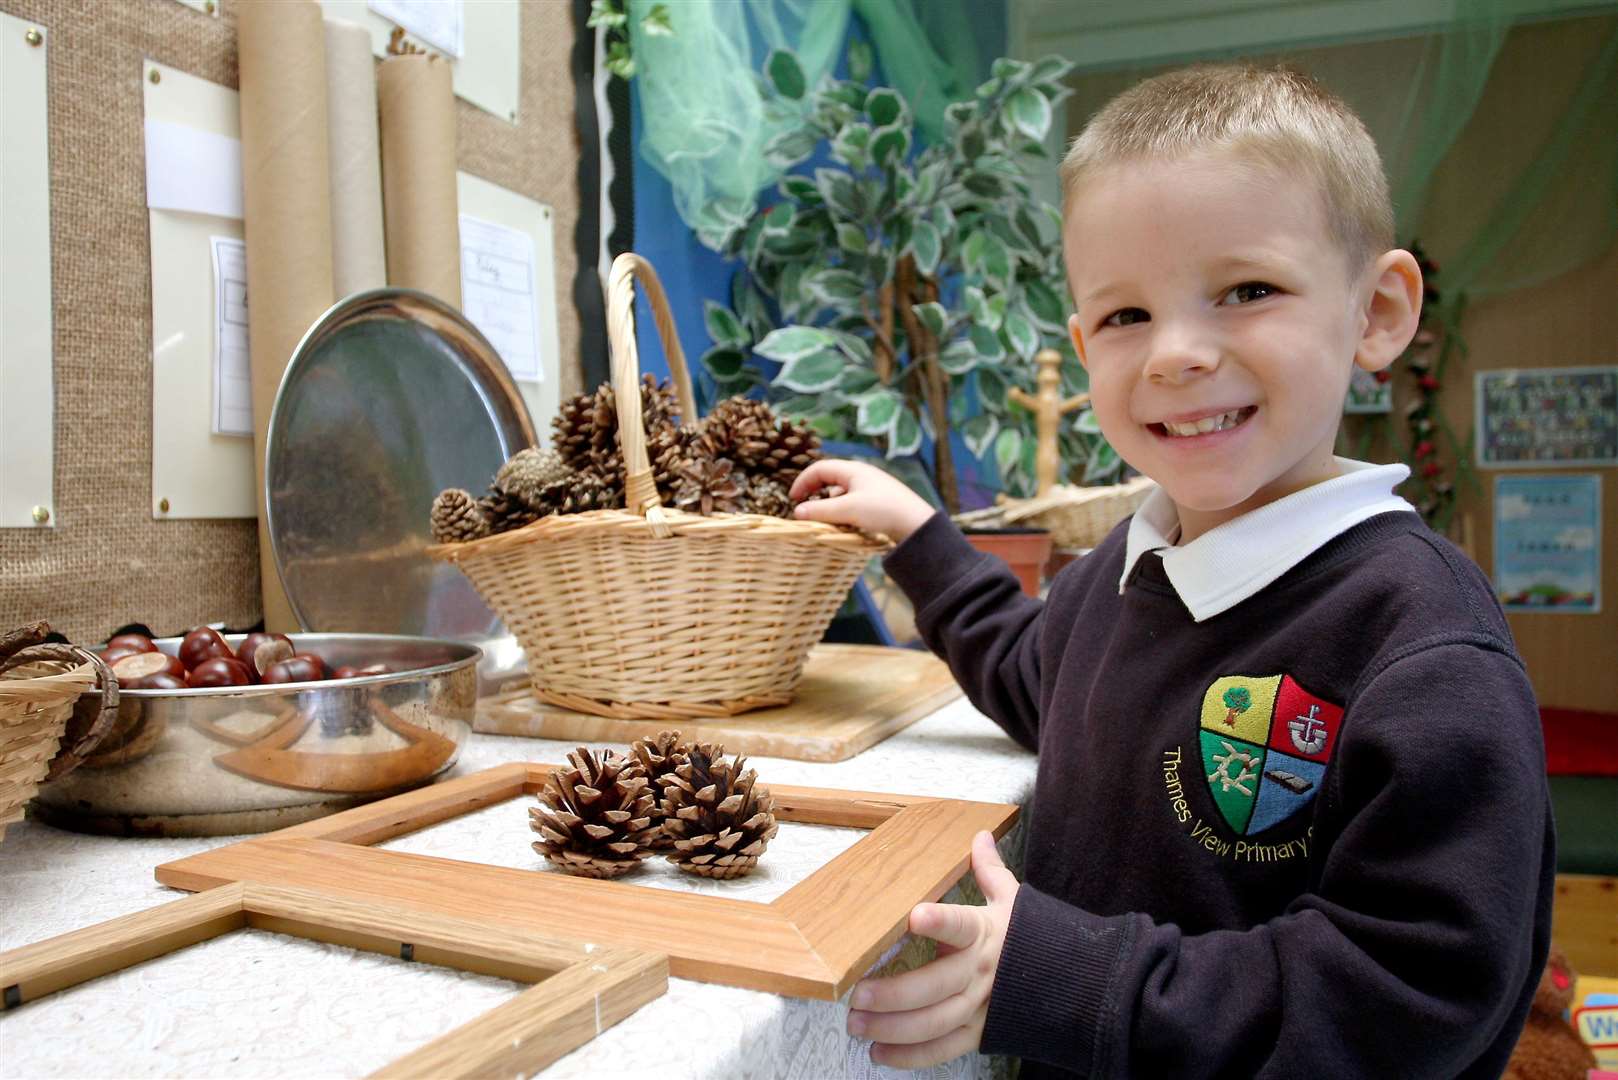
x=651 y=611
x=39 y=687
x=1079 y=517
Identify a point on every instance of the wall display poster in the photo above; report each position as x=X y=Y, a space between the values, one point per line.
x=1548 y=416
x=1368 y=394
x=232 y=372
x=497 y=292
x=1547 y=543
x=440 y=23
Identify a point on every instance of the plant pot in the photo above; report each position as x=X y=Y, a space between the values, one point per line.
x=1024 y=550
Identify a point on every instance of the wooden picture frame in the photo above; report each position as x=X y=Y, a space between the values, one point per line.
x=815 y=940
x=579 y=990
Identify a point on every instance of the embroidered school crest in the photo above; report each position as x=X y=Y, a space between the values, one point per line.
x=1265 y=743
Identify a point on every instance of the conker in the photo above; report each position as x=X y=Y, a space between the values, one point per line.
x=301 y=668
x=219 y=671
x=251 y=643
x=160 y=681
x=132 y=642
x=268 y=652
x=111 y=656
x=204 y=643
x=136 y=666
x=349 y=671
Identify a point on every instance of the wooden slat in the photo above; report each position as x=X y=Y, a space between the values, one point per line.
x=856 y=809
x=80 y=955
x=710 y=938
x=851 y=697
x=1584 y=922
x=383 y=820
x=858 y=904
x=543 y=1023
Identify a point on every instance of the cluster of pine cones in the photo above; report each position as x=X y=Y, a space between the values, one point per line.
x=739 y=459
x=606 y=812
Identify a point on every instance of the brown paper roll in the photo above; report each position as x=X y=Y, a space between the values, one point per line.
x=357 y=258
x=417 y=104
x=287 y=214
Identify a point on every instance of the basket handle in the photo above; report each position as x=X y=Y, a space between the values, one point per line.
x=640 y=492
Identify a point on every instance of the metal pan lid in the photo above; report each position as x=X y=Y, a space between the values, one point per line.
x=391 y=397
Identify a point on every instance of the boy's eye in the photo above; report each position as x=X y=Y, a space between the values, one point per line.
x=1126 y=317
x=1247 y=292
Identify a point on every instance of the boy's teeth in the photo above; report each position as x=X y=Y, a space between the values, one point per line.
x=1205 y=425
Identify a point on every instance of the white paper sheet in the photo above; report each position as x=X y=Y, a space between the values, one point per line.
x=232 y=377
x=193 y=170
x=497 y=293
x=440 y=23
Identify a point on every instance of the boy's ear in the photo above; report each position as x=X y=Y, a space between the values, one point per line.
x=1077 y=335
x=1392 y=312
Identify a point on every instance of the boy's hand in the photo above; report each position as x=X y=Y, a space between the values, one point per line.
x=937 y=1011
x=870 y=500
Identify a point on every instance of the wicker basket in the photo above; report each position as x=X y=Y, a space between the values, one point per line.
x=651 y=611
x=39 y=687
x=1079 y=517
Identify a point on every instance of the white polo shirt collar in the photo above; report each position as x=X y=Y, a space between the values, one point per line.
x=1228 y=564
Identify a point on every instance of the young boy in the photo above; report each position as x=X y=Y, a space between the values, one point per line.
x=1291 y=816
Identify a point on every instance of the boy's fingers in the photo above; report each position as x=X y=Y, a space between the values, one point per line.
x=915 y=989
x=999 y=885
x=948 y=924
x=963 y=1040
x=818 y=475
x=914 y=1026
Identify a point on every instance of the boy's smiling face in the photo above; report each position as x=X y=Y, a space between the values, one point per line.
x=1219 y=321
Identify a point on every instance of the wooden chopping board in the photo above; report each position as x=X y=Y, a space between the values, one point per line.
x=851 y=697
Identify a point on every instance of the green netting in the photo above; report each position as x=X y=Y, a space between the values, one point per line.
x=705 y=124
x=1499 y=129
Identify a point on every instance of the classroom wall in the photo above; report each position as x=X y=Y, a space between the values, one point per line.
x=106 y=561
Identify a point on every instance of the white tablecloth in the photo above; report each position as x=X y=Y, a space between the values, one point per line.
x=254 y=1003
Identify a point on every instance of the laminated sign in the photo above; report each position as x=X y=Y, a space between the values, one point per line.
x=1265 y=743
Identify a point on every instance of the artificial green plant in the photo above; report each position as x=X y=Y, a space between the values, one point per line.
x=903 y=294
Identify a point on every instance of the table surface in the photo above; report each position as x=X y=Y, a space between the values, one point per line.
x=255 y=1003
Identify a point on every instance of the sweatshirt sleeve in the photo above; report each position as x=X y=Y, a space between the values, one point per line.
x=971 y=611
x=1414 y=953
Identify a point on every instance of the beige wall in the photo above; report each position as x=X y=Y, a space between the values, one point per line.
x=107 y=562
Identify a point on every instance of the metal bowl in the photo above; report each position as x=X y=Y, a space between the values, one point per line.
x=237 y=759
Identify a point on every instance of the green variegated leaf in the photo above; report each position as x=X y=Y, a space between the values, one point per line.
x=797 y=406
x=990 y=88
x=789 y=148
x=656 y=23
x=1103 y=463
x=933 y=317
x=812 y=373
x=991 y=388
x=1021 y=335
x=837 y=188
x=926 y=246
x=979 y=433
x=877 y=412
x=602 y=13
x=856 y=381
x=852 y=345
x=906 y=437
x=800 y=188
x=1045 y=305
x=724 y=328
x=786 y=74
x=725 y=362
x=987 y=343
x=1007 y=450
x=890 y=145
x=851 y=237
x=985 y=185
x=1030 y=112
x=795 y=343
x=958 y=114
x=828 y=427
x=1087 y=423
x=1028 y=226
x=835 y=287
x=852 y=145
x=958 y=357
x=883 y=106
x=1007 y=68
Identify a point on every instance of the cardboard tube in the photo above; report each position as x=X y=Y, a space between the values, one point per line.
x=287 y=215
x=357 y=259
x=418 y=175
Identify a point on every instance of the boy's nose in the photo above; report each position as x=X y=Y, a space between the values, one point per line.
x=1179 y=353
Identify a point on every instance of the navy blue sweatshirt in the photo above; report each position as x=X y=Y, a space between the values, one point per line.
x=1307 y=837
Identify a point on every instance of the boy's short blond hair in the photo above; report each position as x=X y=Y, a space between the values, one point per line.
x=1277 y=116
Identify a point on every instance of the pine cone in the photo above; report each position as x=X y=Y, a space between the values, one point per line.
x=734 y=423
x=457 y=516
x=769 y=497
x=659 y=756
x=595 y=819
x=710 y=487
x=529 y=473
x=783 y=454
x=582 y=492
x=505 y=511
x=571 y=431
x=669 y=450
x=721 y=819
x=587 y=427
